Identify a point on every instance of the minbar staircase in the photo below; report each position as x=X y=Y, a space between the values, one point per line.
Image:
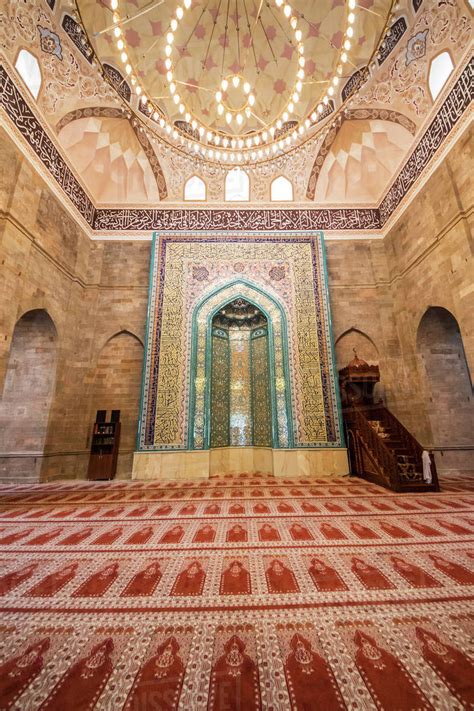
x=383 y=451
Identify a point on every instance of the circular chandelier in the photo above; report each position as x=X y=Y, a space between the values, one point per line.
x=234 y=101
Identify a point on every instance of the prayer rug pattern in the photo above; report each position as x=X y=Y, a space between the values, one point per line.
x=244 y=592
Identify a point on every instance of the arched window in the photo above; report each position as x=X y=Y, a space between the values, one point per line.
x=195 y=189
x=237 y=185
x=28 y=68
x=281 y=189
x=440 y=69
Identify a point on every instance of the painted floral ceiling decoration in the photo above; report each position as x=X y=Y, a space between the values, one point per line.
x=235 y=80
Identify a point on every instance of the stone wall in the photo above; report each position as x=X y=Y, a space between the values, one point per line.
x=94 y=291
x=430 y=264
x=91 y=291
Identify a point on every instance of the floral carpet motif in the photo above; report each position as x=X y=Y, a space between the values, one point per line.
x=240 y=593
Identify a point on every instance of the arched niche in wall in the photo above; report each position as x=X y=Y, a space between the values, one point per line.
x=354 y=339
x=448 y=392
x=115 y=385
x=28 y=392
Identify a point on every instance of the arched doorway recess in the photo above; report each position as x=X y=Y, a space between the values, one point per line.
x=27 y=396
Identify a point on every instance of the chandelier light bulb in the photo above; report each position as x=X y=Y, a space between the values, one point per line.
x=138 y=90
x=278 y=3
x=347 y=44
x=218 y=96
x=168 y=63
x=170 y=38
x=224 y=84
x=187 y=4
x=293 y=22
x=301 y=129
x=287 y=10
x=325 y=100
x=128 y=69
x=248 y=142
x=117 y=31
x=179 y=12
x=300 y=73
x=344 y=57
x=194 y=124
x=251 y=99
x=172 y=87
x=236 y=80
x=298 y=35
x=168 y=50
x=120 y=45
x=169 y=76
x=296 y=97
x=246 y=87
x=278 y=124
x=114 y=4
x=331 y=90
x=228 y=117
x=181 y=109
x=176 y=99
x=351 y=18
x=301 y=62
x=285 y=116
x=124 y=57
x=248 y=112
x=240 y=143
x=350 y=31
x=187 y=118
x=217 y=139
x=352 y=4
x=174 y=24
x=220 y=109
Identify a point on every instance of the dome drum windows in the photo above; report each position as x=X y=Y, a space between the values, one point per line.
x=195 y=189
x=28 y=68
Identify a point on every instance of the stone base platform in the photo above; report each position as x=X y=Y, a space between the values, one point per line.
x=233 y=460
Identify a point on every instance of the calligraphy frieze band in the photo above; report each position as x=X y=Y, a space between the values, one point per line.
x=23 y=117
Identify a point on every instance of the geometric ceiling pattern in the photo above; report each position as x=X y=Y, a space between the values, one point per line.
x=361 y=161
x=110 y=160
x=353 y=161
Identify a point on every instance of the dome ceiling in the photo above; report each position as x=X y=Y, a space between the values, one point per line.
x=247 y=70
x=348 y=157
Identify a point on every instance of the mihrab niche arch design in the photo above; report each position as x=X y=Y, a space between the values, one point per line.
x=199 y=434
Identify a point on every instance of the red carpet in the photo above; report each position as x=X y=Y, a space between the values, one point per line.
x=244 y=593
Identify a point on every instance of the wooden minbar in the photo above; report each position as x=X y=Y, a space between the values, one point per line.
x=104 y=446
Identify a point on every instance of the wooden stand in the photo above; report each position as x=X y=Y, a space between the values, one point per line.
x=104 y=450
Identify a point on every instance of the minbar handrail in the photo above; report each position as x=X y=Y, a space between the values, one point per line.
x=359 y=415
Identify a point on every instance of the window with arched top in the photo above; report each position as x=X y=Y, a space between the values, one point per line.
x=28 y=68
x=195 y=189
x=237 y=185
x=281 y=189
x=440 y=69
